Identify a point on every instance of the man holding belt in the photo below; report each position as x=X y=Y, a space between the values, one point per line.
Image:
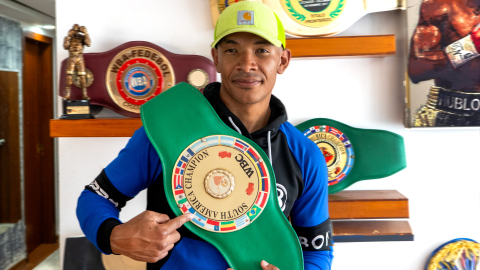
x=248 y=51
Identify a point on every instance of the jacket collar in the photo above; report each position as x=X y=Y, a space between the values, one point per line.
x=278 y=114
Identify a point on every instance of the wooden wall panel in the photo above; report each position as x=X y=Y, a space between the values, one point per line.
x=10 y=196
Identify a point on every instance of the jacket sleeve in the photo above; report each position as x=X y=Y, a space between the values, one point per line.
x=310 y=218
x=136 y=168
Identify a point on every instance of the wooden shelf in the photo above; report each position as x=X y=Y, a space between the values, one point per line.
x=369 y=231
x=367 y=204
x=347 y=204
x=352 y=46
x=123 y=127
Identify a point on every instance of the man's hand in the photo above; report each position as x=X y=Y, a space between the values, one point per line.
x=147 y=237
x=265 y=266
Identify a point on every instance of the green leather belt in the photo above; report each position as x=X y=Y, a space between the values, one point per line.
x=223 y=178
x=355 y=154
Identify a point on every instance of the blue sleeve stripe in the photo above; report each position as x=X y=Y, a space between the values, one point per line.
x=311 y=209
x=136 y=167
x=90 y=220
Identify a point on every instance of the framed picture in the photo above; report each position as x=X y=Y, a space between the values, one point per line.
x=443 y=79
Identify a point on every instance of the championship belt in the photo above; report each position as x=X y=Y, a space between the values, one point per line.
x=221 y=177
x=319 y=17
x=355 y=154
x=131 y=74
x=458 y=254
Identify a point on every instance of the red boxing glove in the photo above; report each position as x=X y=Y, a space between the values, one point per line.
x=475 y=36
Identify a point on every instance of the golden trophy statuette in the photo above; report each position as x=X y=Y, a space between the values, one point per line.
x=76 y=73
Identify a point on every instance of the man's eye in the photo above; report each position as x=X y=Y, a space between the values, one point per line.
x=230 y=50
x=262 y=51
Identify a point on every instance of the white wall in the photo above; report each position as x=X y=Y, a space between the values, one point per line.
x=440 y=181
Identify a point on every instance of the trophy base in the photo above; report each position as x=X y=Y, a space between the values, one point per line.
x=76 y=109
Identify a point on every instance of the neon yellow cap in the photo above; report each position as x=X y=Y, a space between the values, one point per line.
x=252 y=17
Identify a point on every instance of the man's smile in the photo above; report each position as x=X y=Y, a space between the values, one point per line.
x=247 y=83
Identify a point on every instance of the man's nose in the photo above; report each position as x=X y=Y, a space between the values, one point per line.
x=246 y=62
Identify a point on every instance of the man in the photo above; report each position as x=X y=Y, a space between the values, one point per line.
x=77 y=38
x=248 y=56
x=445 y=48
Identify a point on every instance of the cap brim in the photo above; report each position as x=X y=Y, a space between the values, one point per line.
x=255 y=31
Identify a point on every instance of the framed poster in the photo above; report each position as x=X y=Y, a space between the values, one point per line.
x=443 y=81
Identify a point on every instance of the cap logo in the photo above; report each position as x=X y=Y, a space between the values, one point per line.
x=245 y=17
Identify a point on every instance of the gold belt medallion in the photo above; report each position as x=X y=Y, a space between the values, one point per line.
x=136 y=75
x=336 y=149
x=313 y=14
x=222 y=181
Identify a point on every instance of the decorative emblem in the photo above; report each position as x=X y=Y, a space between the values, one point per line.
x=460 y=253
x=136 y=75
x=223 y=181
x=250 y=188
x=88 y=78
x=313 y=13
x=336 y=149
x=219 y=183
x=282 y=196
x=223 y=4
x=198 y=78
x=245 y=17
x=225 y=154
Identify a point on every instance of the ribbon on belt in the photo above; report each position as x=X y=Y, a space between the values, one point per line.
x=223 y=178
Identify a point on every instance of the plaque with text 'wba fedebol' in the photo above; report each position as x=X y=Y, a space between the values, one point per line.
x=133 y=73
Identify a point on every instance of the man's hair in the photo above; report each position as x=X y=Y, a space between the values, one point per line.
x=221 y=41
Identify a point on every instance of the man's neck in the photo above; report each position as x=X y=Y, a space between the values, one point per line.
x=253 y=116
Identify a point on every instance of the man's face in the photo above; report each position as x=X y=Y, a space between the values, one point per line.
x=248 y=65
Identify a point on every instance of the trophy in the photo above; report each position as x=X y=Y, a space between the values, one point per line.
x=77 y=74
x=131 y=74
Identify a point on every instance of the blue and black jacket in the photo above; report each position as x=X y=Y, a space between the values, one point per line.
x=302 y=190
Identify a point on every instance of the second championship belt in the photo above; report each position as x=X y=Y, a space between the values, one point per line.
x=355 y=154
x=224 y=179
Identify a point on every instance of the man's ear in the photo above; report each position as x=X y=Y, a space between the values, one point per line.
x=215 y=58
x=285 y=57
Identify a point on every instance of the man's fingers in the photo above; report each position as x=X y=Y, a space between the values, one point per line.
x=157 y=217
x=166 y=250
x=174 y=236
x=266 y=266
x=177 y=222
